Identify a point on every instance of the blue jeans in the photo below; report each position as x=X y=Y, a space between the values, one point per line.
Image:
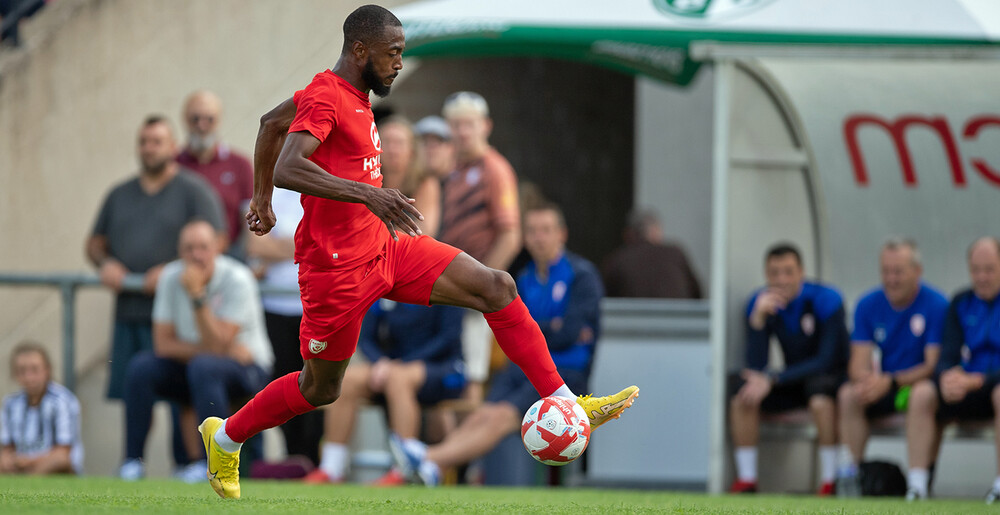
x=207 y=382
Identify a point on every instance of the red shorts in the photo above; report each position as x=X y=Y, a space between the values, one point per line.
x=335 y=301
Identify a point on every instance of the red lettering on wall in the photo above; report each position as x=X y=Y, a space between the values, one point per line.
x=971 y=132
x=897 y=130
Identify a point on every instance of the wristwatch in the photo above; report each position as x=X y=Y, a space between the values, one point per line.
x=198 y=302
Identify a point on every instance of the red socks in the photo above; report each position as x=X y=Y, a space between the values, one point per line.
x=522 y=341
x=274 y=405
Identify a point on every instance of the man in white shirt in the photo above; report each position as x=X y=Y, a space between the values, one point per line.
x=209 y=341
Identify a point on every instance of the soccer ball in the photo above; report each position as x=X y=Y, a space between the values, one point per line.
x=555 y=431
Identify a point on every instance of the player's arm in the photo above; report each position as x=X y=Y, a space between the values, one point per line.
x=270 y=138
x=294 y=171
x=922 y=371
x=860 y=364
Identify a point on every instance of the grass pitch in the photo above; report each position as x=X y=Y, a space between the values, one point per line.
x=103 y=495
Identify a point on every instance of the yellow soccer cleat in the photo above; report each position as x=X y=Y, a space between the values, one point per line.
x=603 y=409
x=223 y=467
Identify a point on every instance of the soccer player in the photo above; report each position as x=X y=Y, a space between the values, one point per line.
x=358 y=242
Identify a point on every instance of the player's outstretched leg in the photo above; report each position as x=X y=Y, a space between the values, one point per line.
x=223 y=467
x=468 y=283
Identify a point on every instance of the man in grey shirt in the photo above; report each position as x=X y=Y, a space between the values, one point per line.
x=209 y=341
x=136 y=234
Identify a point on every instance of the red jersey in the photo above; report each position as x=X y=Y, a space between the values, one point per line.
x=335 y=234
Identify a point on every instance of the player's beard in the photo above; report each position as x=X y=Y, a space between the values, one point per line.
x=373 y=81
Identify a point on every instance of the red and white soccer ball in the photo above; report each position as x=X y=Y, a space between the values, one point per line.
x=555 y=431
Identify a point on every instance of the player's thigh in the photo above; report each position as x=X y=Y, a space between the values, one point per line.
x=415 y=265
x=470 y=284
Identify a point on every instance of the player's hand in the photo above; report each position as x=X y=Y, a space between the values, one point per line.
x=873 y=387
x=395 y=210
x=112 y=273
x=260 y=217
x=954 y=385
x=767 y=304
x=757 y=386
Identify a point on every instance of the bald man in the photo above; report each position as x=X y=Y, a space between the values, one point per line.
x=229 y=173
x=966 y=385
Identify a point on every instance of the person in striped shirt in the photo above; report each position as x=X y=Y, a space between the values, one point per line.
x=40 y=424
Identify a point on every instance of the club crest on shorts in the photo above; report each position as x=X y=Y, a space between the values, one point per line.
x=316 y=346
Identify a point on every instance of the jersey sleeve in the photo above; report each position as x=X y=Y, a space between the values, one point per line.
x=502 y=188
x=828 y=302
x=315 y=110
x=863 y=330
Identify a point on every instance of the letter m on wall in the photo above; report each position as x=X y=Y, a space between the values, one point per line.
x=897 y=132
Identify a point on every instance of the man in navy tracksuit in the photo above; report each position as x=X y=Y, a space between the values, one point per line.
x=562 y=292
x=965 y=386
x=808 y=320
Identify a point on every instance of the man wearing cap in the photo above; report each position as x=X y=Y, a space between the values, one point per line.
x=480 y=212
x=439 y=153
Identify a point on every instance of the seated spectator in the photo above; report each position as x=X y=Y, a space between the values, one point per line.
x=966 y=384
x=562 y=292
x=647 y=266
x=903 y=319
x=414 y=358
x=808 y=320
x=40 y=424
x=209 y=343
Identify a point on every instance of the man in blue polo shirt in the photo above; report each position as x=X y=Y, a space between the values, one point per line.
x=808 y=320
x=965 y=386
x=903 y=320
x=563 y=293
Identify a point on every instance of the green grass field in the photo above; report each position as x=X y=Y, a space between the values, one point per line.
x=103 y=495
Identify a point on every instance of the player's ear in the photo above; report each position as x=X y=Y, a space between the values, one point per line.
x=359 y=50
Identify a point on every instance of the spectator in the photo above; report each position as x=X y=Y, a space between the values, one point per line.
x=647 y=266
x=402 y=169
x=439 y=152
x=414 y=358
x=229 y=172
x=273 y=255
x=965 y=384
x=479 y=214
x=209 y=343
x=903 y=319
x=563 y=293
x=134 y=235
x=39 y=425
x=808 y=320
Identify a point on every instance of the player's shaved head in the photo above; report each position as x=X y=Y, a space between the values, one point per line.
x=366 y=24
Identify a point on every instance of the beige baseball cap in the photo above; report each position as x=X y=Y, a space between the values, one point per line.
x=465 y=102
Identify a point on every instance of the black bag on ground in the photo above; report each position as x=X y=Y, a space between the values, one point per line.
x=882 y=478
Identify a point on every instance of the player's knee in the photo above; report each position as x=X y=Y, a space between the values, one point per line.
x=923 y=395
x=321 y=394
x=500 y=291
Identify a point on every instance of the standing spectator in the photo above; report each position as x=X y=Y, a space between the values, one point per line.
x=229 y=172
x=135 y=234
x=209 y=342
x=808 y=320
x=965 y=385
x=563 y=293
x=414 y=358
x=39 y=425
x=479 y=214
x=903 y=319
x=439 y=152
x=402 y=169
x=274 y=254
x=647 y=266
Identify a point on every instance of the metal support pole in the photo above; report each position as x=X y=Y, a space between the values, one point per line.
x=720 y=224
x=68 y=290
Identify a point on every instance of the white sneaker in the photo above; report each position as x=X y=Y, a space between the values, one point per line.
x=194 y=472
x=913 y=494
x=132 y=470
x=992 y=495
